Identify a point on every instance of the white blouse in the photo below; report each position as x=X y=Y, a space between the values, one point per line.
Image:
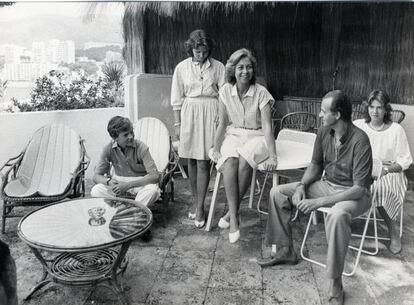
x=245 y=113
x=191 y=79
x=390 y=145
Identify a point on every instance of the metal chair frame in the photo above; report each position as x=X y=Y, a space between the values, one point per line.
x=370 y=215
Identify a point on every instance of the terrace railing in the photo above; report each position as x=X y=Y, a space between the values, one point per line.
x=313 y=105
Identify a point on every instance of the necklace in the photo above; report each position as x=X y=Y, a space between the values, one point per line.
x=377 y=128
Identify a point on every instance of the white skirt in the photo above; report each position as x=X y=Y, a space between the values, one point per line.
x=248 y=143
x=198 y=127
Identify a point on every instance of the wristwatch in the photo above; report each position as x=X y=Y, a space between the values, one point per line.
x=108 y=180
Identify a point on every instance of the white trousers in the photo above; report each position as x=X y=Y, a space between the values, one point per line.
x=144 y=194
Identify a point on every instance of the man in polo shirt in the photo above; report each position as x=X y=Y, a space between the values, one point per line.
x=134 y=170
x=339 y=176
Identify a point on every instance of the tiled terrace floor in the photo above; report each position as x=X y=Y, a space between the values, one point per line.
x=184 y=265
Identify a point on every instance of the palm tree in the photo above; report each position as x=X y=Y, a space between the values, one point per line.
x=114 y=73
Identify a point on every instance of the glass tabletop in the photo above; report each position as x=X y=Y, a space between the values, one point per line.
x=84 y=224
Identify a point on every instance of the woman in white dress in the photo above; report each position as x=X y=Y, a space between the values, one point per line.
x=194 y=98
x=244 y=135
x=389 y=144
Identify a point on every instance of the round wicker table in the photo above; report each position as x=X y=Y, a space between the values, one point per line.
x=83 y=242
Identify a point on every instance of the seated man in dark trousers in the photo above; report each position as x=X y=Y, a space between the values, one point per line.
x=343 y=152
x=135 y=172
x=8 y=281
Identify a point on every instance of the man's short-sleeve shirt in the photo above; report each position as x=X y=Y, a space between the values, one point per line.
x=348 y=164
x=135 y=161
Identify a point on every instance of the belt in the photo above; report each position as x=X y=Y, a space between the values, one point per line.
x=250 y=128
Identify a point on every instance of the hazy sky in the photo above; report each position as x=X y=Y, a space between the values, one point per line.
x=74 y=9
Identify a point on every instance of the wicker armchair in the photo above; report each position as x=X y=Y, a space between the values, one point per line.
x=302 y=121
x=51 y=168
x=397 y=116
x=155 y=135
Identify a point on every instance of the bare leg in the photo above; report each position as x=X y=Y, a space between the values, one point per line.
x=203 y=177
x=245 y=177
x=231 y=185
x=395 y=239
x=192 y=173
x=335 y=287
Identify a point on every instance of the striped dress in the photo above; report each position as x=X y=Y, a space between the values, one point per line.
x=389 y=146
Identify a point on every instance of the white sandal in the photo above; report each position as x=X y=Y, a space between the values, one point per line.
x=191 y=216
x=224 y=224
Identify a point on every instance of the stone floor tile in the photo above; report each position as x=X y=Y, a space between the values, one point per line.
x=235 y=274
x=175 y=293
x=200 y=244
x=289 y=286
x=220 y=296
x=58 y=294
x=181 y=282
x=386 y=275
x=246 y=248
x=160 y=236
x=185 y=271
x=145 y=264
x=401 y=295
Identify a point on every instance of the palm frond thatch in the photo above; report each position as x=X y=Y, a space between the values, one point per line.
x=298 y=45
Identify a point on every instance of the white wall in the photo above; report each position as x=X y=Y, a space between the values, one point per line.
x=408 y=123
x=16 y=129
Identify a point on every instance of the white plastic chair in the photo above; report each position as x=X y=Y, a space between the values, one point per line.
x=370 y=215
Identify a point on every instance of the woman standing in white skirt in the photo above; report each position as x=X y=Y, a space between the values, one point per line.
x=194 y=98
x=244 y=136
x=390 y=145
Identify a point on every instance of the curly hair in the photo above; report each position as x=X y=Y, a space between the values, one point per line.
x=196 y=39
x=341 y=104
x=118 y=124
x=381 y=97
x=234 y=60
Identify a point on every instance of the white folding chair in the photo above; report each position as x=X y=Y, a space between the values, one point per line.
x=370 y=215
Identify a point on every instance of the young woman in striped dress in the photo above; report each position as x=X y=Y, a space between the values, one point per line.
x=194 y=98
x=389 y=144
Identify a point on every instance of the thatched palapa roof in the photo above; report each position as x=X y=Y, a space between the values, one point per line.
x=299 y=45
